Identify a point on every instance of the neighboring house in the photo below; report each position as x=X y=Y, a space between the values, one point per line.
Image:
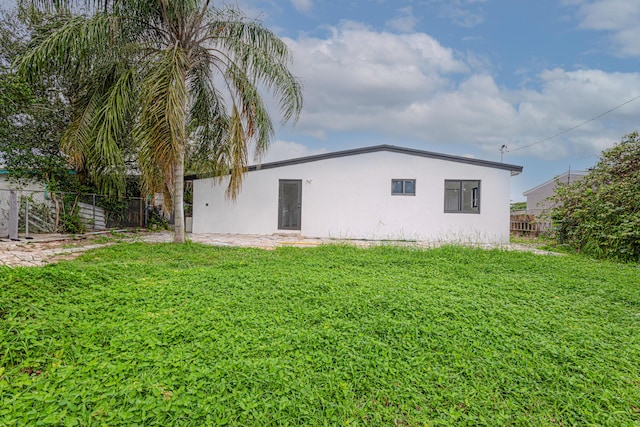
x=537 y=197
x=381 y=192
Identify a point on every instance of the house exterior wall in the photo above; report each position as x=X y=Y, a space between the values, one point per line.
x=350 y=198
x=6 y=186
x=537 y=201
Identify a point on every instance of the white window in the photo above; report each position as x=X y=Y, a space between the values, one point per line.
x=461 y=196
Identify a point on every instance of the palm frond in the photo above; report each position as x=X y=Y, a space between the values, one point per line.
x=253 y=112
x=235 y=154
x=264 y=56
x=94 y=139
x=162 y=126
x=208 y=120
x=157 y=64
x=77 y=46
x=76 y=140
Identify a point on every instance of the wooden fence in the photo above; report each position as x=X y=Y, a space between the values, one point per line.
x=528 y=225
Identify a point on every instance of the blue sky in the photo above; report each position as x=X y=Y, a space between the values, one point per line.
x=461 y=77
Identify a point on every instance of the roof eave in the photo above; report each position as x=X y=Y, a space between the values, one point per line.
x=514 y=169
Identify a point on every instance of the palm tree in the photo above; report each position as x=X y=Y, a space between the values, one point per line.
x=174 y=80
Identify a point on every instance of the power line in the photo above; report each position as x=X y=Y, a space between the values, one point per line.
x=575 y=127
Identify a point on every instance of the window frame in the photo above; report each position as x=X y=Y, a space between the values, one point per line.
x=404 y=186
x=475 y=196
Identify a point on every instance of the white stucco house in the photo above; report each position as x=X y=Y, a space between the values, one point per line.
x=380 y=192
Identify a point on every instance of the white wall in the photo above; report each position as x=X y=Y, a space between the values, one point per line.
x=537 y=198
x=7 y=184
x=350 y=197
x=23 y=188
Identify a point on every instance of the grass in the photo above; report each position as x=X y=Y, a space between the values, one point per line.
x=138 y=334
x=541 y=240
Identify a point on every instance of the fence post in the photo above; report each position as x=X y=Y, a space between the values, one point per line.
x=94 y=211
x=26 y=219
x=13 y=215
x=146 y=213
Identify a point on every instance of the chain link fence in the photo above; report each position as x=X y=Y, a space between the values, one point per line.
x=34 y=212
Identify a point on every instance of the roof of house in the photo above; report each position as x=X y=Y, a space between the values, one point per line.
x=514 y=169
x=556 y=178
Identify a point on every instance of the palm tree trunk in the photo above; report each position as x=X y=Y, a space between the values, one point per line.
x=179 y=235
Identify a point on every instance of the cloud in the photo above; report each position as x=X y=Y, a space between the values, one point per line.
x=363 y=63
x=282 y=150
x=619 y=18
x=405 y=22
x=302 y=5
x=408 y=87
x=465 y=13
x=570 y=98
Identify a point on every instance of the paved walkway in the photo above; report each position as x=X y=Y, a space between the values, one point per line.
x=46 y=249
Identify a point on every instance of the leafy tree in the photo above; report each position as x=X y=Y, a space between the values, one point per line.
x=32 y=117
x=518 y=206
x=600 y=214
x=180 y=78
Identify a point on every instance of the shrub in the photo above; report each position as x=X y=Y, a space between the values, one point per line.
x=71 y=219
x=600 y=215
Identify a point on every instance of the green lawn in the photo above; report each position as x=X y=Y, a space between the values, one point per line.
x=140 y=334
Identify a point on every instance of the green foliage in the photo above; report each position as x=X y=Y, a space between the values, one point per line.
x=30 y=139
x=30 y=128
x=139 y=334
x=71 y=220
x=188 y=198
x=600 y=214
x=117 y=209
x=146 y=75
x=518 y=206
x=32 y=115
x=157 y=221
